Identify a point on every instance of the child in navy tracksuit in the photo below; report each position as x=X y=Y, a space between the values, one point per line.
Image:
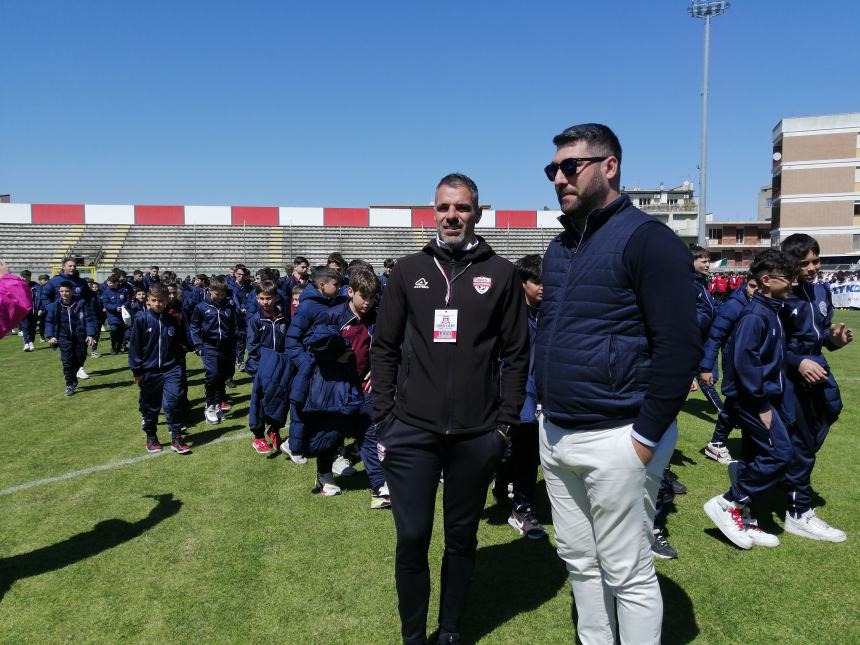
x=135 y=307
x=808 y=321
x=764 y=404
x=339 y=401
x=314 y=302
x=213 y=334
x=114 y=298
x=41 y=305
x=99 y=313
x=518 y=469
x=270 y=367
x=706 y=311
x=718 y=335
x=240 y=290
x=71 y=326
x=154 y=354
x=28 y=325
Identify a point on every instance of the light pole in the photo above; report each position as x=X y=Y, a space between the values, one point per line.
x=705 y=9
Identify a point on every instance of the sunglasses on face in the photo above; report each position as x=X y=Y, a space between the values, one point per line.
x=568 y=166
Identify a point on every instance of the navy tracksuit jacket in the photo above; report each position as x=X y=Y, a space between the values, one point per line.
x=272 y=370
x=755 y=380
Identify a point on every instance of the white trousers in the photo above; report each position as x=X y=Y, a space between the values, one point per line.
x=597 y=484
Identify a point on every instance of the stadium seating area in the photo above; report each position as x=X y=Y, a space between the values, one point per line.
x=188 y=249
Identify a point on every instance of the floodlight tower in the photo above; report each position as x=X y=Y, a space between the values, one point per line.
x=705 y=9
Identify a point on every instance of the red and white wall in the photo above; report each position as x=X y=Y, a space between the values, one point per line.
x=257 y=216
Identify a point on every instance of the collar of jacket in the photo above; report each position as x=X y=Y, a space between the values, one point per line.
x=772 y=303
x=701 y=278
x=596 y=218
x=478 y=252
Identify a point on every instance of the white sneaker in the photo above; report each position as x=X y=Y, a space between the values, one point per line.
x=27 y=347
x=210 y=414
x=32 y=347
x=82 y=374
x=727 y=516
x=326 y=486
x=758 y=537
x=718 y=452
x=342 y=467
x=294 y=457
x=809 y=525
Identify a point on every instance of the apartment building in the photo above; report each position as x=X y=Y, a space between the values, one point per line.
x=674 y=207
x=816 y=180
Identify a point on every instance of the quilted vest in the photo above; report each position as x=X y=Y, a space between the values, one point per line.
x=592 y=358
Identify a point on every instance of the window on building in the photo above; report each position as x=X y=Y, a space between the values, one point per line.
x=762 y=235
x=858 y=139
x=715 y=234
x=739 y=236
x=855 y=242
x=857 y=208
x=857 y=175
x=673 y=202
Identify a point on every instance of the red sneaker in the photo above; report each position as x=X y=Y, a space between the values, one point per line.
x=275 y=438
x=152 y=445
x=261 y=446
x=177 y=445
x=225 y=407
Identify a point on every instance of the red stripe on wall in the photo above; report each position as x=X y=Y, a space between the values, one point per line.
x=57 y=213
x=255 y=215
x=159 y=215
x=516 y=219
x=425 y=217
x=346 y=216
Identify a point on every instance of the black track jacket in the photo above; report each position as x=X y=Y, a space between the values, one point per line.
x=451 y=388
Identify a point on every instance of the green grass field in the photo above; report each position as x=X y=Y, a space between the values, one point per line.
x=224 y=545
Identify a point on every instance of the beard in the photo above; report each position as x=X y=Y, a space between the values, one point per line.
x=590 y=197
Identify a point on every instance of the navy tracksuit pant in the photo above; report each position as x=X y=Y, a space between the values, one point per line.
x=412 y=460
x=767 y=454
x=73 y=353
x=160 y=391
x=807 y=437
x=117 y=335
x=28 y=328
x=220 y=365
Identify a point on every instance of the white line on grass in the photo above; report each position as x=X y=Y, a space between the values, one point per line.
x=109 y=466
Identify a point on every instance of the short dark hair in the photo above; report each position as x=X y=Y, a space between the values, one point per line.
x=112 y=278
x=323 y=274
x=387 y=263
x=797 y=246
x=266 y=274
x=218 y=283
x=26 y=274
x=68 y=284
x=772 y=261
x=297 y=289
x=267 y=288
x=363 y=281
x=530 y=267
x=158 y=291
x=699 y=252
x=336 y=257
x=68 y=259
x=44 y=276
x=458 y=180
x=598 y=137
x=154 y=266
x=300 y=260
x=137 y=272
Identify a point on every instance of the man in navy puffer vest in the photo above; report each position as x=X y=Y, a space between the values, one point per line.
x=616 y=349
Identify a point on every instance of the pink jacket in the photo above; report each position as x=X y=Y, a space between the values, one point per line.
x=16 y=301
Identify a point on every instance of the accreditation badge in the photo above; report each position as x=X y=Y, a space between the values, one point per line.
x=445 y=326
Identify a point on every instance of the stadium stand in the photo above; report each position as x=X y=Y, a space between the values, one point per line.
x=188 y=249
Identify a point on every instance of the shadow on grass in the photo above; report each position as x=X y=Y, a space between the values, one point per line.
x=196 y=439
x=700 y=409
x=498 y=593
x=89 y=387
x=104 y=536
x=679 y=620
x=113 y=370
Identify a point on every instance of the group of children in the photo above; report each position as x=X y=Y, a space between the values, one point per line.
x=777 y=387
x=305 y=340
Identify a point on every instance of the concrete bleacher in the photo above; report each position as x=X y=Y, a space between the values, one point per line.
x=189 y=249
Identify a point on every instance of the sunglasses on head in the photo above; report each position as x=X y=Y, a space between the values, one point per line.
x=568 y=166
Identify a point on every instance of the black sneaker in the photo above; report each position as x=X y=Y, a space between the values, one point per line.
x=677 y=487
x=230 y=383
x=449 y=639
x=524 y=522
x=178 y=445
x=152 y=444
x=661 y=547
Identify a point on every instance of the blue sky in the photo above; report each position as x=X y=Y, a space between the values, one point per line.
x=357 y=103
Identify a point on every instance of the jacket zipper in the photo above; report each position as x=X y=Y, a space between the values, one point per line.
x=812 y=310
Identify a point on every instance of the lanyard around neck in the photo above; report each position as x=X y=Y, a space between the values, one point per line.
x=448 y=282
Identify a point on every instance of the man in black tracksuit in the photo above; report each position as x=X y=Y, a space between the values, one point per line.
x=450 y=315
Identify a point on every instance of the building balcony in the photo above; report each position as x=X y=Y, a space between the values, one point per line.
x=690 y=207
